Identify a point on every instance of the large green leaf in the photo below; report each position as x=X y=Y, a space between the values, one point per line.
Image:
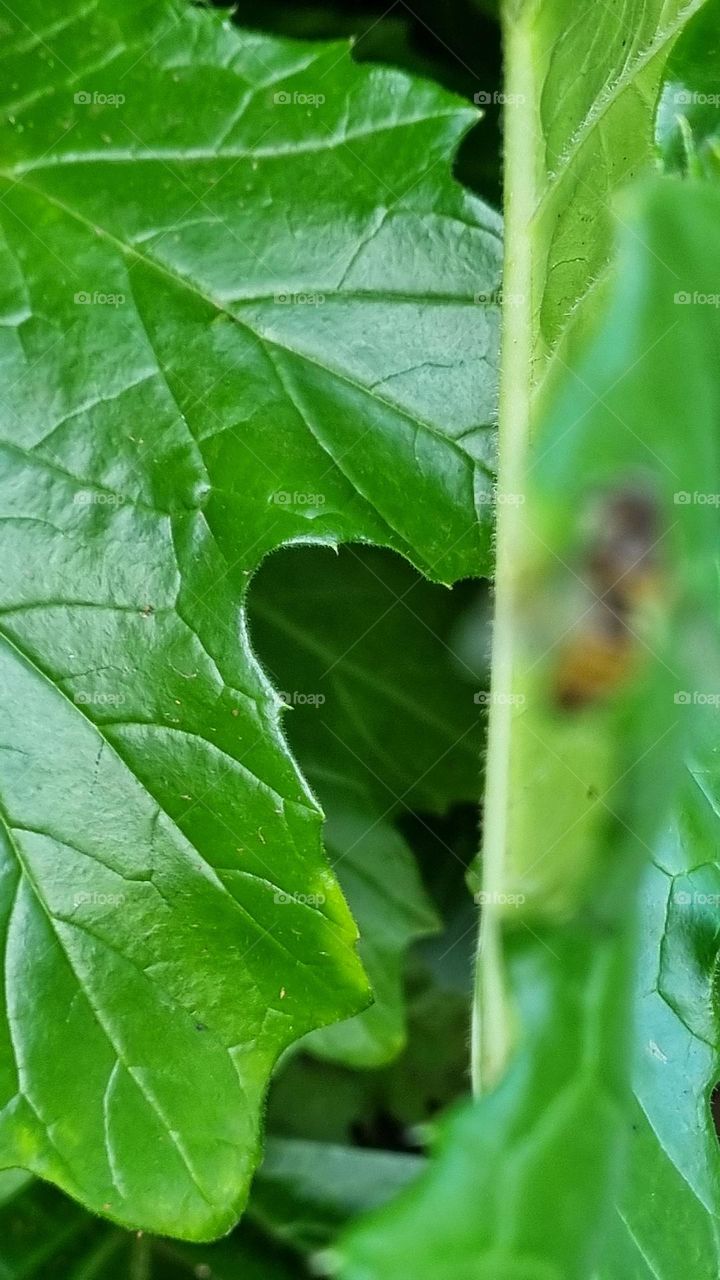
x=232 y=316
x=525 y=1180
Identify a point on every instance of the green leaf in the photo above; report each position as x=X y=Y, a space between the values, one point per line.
x=669 y=1213
x=595 y=73
x=668 y=1217
x=306 y=1190
x=378 y=875
x=525 y=1180
x=222 y=330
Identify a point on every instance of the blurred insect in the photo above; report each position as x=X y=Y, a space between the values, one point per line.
x=621 y=572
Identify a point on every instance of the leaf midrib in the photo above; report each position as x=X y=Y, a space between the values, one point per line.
x=162 y=154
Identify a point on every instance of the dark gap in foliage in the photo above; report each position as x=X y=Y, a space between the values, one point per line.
x=378 y=616
x=390 y=1108
x=380 y=671
x=444 y=847
x=383 y=1132
x=432 y=836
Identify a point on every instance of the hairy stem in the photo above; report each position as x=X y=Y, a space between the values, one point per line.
x=492 y=1030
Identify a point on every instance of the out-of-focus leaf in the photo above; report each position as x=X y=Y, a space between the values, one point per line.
x=668 y=1217
x=41 y=1230
x=433 y=1070
x=12 y=1182
x=238 y=309
x=305 y=1191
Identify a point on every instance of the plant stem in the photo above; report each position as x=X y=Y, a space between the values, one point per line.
x=492 y=1030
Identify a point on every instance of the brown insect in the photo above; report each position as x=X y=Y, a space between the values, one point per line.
x=621 y=573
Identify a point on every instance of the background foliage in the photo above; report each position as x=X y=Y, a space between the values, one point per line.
x=383 y=676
